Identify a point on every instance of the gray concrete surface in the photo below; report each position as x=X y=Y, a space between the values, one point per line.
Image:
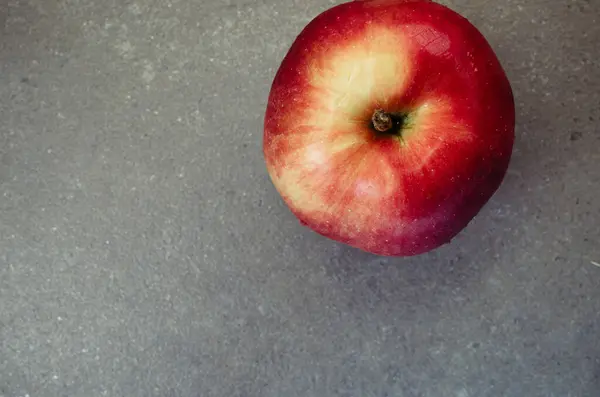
x=144 y=252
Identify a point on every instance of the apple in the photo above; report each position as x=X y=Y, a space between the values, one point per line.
x=389 y=125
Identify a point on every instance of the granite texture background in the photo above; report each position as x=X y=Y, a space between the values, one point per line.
x=144 y=251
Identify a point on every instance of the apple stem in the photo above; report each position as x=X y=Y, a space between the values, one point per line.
x=382 y=121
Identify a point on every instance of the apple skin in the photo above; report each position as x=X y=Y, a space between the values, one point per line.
x=398 y=194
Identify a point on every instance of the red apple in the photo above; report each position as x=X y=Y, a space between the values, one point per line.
x=390 y=123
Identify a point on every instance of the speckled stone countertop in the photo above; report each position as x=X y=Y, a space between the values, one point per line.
x=144 y=251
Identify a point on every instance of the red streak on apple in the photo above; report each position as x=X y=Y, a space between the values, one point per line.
x=413 y=189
